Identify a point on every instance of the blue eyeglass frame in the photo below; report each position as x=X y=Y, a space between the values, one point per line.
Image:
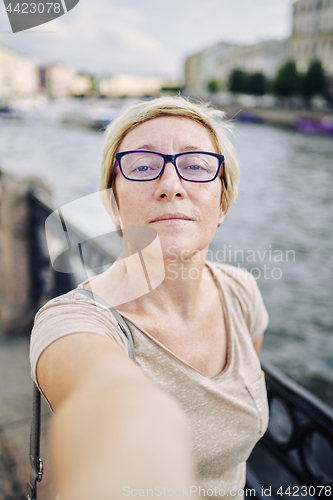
x=168 y=159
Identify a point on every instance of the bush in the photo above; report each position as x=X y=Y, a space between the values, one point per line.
x=213 y=86
x=172 y=90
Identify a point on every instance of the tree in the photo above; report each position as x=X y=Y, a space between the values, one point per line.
x=237 y=81
x=256 y=83
x=247 y=83
x=213 y=86
x=287 y=80
x=313 y=81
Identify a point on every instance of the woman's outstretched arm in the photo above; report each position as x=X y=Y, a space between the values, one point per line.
x=114 y=430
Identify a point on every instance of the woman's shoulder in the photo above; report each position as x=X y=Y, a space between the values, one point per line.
x=74 y=299
x=241 y=289
x=70 y=313
x=76 y=311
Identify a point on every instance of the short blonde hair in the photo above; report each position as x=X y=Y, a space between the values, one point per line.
x=173 y=106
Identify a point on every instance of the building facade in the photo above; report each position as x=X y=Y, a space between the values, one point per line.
x=122 y=85
x=312 y=34
x=217 y=62
x=58 y=80
x=19 y=75
x=206 y=66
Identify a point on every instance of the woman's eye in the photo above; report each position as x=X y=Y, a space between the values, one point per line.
x=195 y=167
x=143 y=168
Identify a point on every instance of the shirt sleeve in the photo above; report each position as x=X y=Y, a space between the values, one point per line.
x=67 y=314
x=247 y=301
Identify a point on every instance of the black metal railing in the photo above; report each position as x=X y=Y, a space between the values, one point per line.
x=300 y=431
x=298 y=443
x=47 y=282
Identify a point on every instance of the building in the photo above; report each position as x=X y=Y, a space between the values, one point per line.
x=312 y=34
x=266 y=57
x=58 y=79
x=133 y=85
x=19 y=75
x=205 y=66
x=218 y=61
x=81 y=85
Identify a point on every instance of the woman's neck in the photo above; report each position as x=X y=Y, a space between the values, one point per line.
x=180 y=290
x=143 y=282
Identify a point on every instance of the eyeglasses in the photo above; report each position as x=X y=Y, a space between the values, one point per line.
x=196 y=166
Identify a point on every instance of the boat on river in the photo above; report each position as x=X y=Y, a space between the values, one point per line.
x=8 y=112
x=324 y=126
x=91 y=117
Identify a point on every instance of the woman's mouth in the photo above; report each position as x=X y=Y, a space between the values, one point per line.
x=172 y=218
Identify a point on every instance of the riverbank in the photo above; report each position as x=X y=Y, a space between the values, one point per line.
x=280 y=117
x=284 y=205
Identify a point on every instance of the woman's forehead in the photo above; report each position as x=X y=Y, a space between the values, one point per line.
x=168 y=131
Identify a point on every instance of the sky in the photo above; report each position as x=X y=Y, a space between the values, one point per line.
x=146 y=36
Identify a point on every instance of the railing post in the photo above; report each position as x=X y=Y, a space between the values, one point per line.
x=16 y=307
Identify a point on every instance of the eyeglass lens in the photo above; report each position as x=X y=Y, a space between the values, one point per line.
x=191 y=166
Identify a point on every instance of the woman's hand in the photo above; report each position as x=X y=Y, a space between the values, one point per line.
x=114 y=430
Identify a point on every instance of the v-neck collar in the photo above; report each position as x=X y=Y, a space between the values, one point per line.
x=217 y=282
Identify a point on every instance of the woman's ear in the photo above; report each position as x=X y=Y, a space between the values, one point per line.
x=223 y=211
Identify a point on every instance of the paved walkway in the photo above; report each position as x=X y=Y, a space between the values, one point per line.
x=15 y=418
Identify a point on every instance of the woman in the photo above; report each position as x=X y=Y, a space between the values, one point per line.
x=187 y=414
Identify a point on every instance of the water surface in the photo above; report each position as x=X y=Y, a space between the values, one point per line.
x=280 y=229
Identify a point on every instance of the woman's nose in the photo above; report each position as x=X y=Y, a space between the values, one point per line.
x=170 y=184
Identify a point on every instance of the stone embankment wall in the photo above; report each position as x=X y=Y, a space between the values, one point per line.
x=281 y=117
x=16 y=317
x=15 y=305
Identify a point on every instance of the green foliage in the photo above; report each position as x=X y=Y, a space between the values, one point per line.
x=237 y=81
x=94 y=82
x=257 y=83
x=172 y=90
x=213 y=86
x=248 y=83
x=287 y=81
x=313 y=81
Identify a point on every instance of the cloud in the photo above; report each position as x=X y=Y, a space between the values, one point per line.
x=205 y=23
x=136 y=40
x=109 y=36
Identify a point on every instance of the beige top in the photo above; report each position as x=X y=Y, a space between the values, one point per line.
x=228 y=413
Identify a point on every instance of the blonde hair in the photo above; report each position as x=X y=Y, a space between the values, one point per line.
x=173 y=106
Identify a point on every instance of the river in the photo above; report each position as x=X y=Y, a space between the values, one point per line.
x=280 y=229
